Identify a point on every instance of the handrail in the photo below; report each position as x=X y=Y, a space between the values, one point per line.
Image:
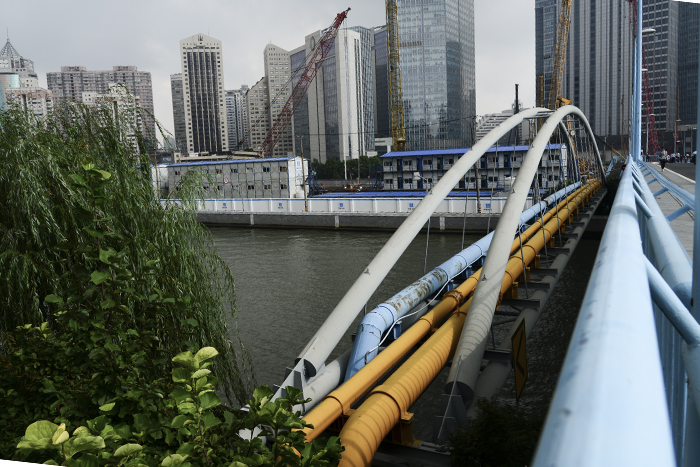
x=609 y=407
x=686 y=198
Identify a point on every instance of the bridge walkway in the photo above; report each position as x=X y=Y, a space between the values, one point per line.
x=682 y=226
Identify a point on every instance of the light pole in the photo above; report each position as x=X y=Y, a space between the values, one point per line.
x=648 y=116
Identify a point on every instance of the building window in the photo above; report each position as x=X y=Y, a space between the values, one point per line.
x=283 y=186
x=219 y=171
x=450 y=161
x=283 y=169
x=387 y=164
x=266 y=169
x=234 y=171
x=251 y=187
x=267 y=187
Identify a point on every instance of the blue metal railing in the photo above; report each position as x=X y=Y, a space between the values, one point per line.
x=634 y=358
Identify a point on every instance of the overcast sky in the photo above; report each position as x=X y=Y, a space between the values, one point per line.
x=146 y=33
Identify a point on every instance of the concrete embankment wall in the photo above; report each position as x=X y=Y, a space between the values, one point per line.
x=445 y=222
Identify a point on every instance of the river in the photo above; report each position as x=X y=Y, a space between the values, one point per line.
x=288 y=281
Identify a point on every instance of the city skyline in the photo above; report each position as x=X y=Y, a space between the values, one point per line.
x=153 y=44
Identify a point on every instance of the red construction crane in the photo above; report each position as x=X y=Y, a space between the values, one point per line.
x=312 y=66
x=648 y=109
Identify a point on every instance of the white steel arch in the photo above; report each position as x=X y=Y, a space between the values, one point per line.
x=470 y=350
x=331 y=331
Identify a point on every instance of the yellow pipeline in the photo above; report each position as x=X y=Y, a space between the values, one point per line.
x=339 y=401
x=374 y=419
x=369 y=424
x=514 y=267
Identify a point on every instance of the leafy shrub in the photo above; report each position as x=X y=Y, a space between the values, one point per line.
x=75 y=192
x=194 y=436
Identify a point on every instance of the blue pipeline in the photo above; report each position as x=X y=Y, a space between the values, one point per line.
x=380 y=319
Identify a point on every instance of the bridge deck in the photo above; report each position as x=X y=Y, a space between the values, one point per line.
x=679 y=174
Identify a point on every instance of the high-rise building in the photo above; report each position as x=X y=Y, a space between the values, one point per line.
x=237 y=117
x=257 y=104
x=436 y=43
x=72 y=81
x=179 y=112
x=365 y=62
x=203 y=93
x=266 y=99
x=20 y=84
x=279 y=88
x=332 y=117
x=380 y=70
x=119 y=101
x=600 y=58
x=688 y=39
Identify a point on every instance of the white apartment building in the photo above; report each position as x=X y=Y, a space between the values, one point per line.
x=125 y=112
x=331 y=118
x=267 y=99
x=20 y=83
x=203 y=94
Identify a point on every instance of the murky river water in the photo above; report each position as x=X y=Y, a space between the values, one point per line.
x=288 y=281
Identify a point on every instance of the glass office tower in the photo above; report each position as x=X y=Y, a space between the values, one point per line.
x=437 y=72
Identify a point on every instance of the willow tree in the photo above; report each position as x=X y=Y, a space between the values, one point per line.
x=42 y=215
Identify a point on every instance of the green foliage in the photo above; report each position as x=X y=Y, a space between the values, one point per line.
x=334 y=169
x=501 y=435
x=193 y=436
x=79 y=223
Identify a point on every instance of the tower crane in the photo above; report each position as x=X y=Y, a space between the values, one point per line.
x=648 y=107
x=398 y=132
x=312 y=66
x=560 y=55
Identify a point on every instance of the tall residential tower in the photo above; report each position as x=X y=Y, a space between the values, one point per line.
x=72 y=81
x=203 y=94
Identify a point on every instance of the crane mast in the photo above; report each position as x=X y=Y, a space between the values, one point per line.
x=398 y=132
x=560 y=53
x=313 y=64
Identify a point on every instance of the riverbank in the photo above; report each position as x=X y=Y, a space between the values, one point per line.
x=442 y=222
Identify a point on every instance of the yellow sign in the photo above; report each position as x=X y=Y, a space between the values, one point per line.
x=519 y=359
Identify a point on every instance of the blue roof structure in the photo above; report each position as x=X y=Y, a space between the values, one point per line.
x=460 y=151
x=239 y=161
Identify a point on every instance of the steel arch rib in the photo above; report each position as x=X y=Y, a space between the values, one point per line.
x=470 y=350
x=331 y=331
